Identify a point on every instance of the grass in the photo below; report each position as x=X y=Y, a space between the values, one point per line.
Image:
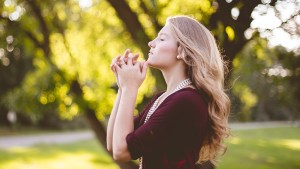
x=79 y=155
x=274 y=148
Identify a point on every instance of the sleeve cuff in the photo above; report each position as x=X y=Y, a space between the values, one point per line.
x=132 y=145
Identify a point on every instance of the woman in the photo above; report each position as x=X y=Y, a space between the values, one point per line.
x=187 y=123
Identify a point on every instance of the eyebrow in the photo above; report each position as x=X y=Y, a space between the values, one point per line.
x=159 y=34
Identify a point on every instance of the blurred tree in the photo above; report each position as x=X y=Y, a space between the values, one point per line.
x=266 y=78
x=289 y=70
x=70 y=44
x=14 y=65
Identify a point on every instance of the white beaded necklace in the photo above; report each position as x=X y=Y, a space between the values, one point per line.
x=180 y=86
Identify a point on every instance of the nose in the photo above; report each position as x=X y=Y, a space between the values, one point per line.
x=151 y=44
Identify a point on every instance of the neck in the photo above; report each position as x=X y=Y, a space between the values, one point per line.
x=173 y=78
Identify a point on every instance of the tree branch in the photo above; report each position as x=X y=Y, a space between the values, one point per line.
x=45 y=31
x=33 y=38
x=152 y=16
x=223 y=16
x=133 y=26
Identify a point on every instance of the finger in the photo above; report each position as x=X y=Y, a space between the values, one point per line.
x=112 y=64
x=118 y=58
x=129 y=62
x=112 y=67
x=127 y=51
x=139 y=65
x=135 y=58
x=121 y=62
x=115 y=73
x=117 y=67
x=125 y=55
x=115 y=60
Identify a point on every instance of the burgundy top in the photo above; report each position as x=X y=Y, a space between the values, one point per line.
x=172 y=136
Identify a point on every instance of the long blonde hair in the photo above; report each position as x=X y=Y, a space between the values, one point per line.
x=206 y=69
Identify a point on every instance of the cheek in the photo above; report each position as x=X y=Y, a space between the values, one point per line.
x=164 y=56
x=167 y=50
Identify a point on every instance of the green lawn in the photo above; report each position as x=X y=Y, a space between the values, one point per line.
x=79 y=155
x=277 y=148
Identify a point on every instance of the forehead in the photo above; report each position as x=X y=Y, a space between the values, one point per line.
x=166 y=30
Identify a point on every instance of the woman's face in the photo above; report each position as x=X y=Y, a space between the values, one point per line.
x=163 y=49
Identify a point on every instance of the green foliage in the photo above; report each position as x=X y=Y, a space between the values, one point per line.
x=36 y=97
x=82 y=51
x=263 y=83
x=198 y=9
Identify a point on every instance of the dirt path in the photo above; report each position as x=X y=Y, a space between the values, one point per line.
x=7 y=142
x=28 y=140
x=269 y=124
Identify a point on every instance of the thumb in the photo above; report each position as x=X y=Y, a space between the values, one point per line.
x=144 y=68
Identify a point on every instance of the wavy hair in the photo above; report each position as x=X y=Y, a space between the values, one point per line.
x=206 y=69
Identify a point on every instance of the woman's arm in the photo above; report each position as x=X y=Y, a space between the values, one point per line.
x=131 y=76
x=111 y=122
x=124 y=124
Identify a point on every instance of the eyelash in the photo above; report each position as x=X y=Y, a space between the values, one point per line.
x=161 y=39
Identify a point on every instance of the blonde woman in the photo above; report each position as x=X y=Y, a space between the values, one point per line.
x=184 y=125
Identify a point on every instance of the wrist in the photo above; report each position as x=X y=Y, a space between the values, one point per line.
x=129 y=90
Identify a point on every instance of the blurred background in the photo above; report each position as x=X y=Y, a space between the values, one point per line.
x=57 y=90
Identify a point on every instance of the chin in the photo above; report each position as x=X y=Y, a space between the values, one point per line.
x=155 y=66
x=150 y=64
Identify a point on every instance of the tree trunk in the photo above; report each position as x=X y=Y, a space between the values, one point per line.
x=3 y=118
x=95 y=124
x=100 y=132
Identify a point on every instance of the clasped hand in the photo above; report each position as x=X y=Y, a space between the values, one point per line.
x=129 y=73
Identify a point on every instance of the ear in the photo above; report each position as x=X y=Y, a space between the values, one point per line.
x=181 y=53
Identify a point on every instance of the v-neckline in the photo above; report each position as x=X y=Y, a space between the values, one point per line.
x=146 y=112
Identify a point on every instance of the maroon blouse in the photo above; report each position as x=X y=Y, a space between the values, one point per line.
x=172 y=137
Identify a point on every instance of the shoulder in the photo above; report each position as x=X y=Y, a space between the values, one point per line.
x=188 y=95
x=187 y=99
x=189 y=104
